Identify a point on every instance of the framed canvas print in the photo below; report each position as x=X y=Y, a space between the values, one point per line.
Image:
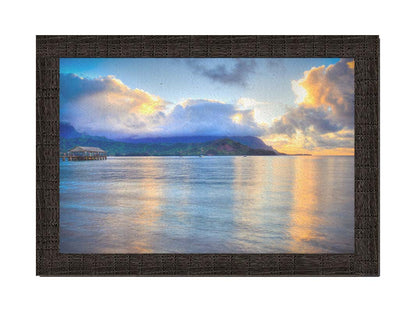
x=207 y=155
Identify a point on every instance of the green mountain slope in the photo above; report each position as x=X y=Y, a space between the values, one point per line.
x=113 y=148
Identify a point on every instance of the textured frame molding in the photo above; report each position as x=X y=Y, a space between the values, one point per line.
x=363 y=262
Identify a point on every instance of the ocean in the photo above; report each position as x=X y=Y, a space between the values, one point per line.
x=215 y=204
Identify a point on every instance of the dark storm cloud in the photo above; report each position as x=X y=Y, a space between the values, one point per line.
x=305 y=119
x=236 y=75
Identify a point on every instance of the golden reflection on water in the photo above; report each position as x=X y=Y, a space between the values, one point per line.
x=304 y=219
x=214 y=205
x=137 y=221
x=148 y=214
x=251 y=185
x=247 y=189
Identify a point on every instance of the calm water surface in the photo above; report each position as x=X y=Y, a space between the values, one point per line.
x=258 y=204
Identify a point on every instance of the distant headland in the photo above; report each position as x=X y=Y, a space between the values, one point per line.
x=169 y=146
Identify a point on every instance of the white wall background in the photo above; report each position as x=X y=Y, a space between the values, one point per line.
x=21 y=290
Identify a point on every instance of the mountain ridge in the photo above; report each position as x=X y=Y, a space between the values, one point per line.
x=221 y=147
x=70 y=137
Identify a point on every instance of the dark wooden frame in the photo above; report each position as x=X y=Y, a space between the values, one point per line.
x=363 y=262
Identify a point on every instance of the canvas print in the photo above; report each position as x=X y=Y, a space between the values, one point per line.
x=206 y=155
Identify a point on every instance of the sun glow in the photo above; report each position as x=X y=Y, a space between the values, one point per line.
x=351 y=64
x=300 y=92
x=237 y=118
x=147 y=108
x=296 y=145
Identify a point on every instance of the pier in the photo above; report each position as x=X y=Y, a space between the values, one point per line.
x=84 y=153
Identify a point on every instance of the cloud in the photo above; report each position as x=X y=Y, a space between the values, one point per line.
x=331 y=88
x=277 y=65
x=325 y=105
x=323 y=118
x=333 y=140
x=207 y=117
x=105 y=106
x=306 y=120
x=341 y=142
x=236 y=75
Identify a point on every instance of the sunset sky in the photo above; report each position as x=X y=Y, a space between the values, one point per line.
x=295 y=105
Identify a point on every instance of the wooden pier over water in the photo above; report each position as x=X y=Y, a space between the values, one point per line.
x=84 y=153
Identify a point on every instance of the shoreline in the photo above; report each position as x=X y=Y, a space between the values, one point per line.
x=232 y=156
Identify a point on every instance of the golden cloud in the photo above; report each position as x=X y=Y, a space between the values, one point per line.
x=324 y=114
x=107 y=106
x=326 y=86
